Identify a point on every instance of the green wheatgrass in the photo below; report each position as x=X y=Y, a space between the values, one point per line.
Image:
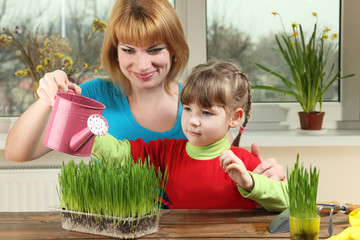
x=126 y=189
x=302 y=190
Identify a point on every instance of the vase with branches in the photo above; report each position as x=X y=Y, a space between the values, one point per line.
x=45 y=53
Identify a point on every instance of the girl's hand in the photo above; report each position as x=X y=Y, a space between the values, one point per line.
x=236 y=169
x=53 y=83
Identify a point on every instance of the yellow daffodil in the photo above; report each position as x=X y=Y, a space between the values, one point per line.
x=274 y=13
x=334 y=36
x=95 y=71
x=100 y=66
x=85 y=65
x=295 y=34
x=294 y=25
x=293 y=42
x=325 y=36
x=314 y=14
x=327 y=29
x=46 y=43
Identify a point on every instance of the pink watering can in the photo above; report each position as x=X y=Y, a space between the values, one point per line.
x=74 y=122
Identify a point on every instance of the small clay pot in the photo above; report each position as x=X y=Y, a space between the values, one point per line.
x=311 y=121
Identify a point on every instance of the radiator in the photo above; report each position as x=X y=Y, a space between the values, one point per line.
x=24 y=190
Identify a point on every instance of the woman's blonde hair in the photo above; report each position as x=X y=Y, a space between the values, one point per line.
x=139 y=22
x=219 y=83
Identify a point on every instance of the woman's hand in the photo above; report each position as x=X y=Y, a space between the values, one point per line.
x=236 y=170
x=25 y=139
x=53 y=83
x=269 y=168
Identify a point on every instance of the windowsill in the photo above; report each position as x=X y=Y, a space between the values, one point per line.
x=285 y=138
x=292 y=138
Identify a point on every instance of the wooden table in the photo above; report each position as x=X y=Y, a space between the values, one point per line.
x=174 y=224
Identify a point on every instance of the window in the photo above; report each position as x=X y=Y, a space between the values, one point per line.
x=343 y=106
x=243 y=31
x=16 y=93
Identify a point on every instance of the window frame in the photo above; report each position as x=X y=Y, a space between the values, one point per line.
x=339 y=115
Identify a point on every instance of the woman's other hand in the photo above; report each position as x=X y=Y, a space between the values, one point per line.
x=269 y=167
x=53 y=83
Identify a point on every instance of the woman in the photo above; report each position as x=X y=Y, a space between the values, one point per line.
x=144 y=49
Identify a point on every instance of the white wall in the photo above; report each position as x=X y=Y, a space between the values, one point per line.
x=339 y=169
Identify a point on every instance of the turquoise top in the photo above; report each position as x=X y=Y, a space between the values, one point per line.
x=122 y=124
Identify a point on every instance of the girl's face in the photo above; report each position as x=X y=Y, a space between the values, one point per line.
x=145 y=67
x=203 y=126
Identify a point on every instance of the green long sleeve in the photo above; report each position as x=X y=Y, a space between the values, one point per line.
x=109 y=148
x=271 y=194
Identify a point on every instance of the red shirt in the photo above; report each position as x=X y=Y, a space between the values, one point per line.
x=195 y=184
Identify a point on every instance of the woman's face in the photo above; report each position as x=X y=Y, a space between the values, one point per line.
x=146 y=66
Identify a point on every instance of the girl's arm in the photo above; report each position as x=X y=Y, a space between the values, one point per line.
x=236 y=169
x=111 y=149
x=269 y=193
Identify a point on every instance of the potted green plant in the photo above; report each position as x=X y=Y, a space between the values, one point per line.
x=307 y=60
x=302 y=189
x=111 y=199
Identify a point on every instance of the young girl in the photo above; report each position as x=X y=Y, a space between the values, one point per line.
x=205 y=171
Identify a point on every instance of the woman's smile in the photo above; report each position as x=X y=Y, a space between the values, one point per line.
x=144 y=76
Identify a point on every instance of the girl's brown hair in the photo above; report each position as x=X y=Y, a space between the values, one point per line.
x=220 y=84
x=139 y=22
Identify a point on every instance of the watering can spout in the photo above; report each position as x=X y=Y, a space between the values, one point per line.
x=80 y=139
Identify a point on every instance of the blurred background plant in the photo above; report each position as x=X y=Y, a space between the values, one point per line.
x=45 y=53
x=307 y=60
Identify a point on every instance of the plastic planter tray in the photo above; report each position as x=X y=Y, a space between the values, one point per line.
x=126 y=228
